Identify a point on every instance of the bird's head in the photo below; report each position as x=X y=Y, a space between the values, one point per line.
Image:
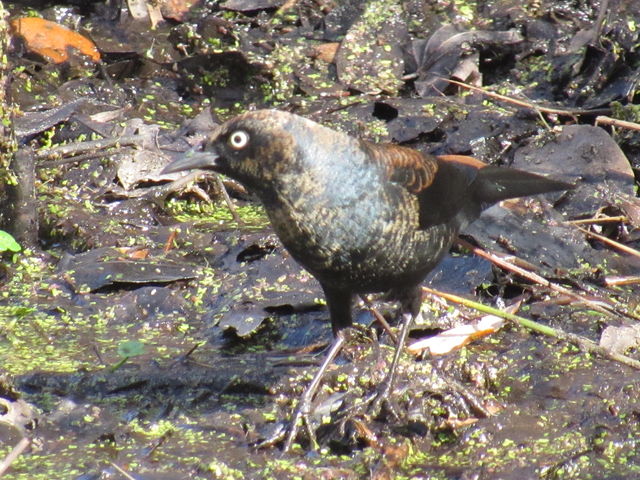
x=254 y=148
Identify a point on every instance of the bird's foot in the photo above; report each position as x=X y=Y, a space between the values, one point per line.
x=382 y=397
x=382 y=400
x=303 y=410
x=287 y=432
x=300 y=418
x=377 y=404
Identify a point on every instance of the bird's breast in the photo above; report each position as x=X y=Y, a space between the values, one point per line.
x=355 y=236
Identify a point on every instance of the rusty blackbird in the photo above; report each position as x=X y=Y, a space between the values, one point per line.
x=361 y=217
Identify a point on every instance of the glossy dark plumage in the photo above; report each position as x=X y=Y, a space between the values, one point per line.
x=361 y=217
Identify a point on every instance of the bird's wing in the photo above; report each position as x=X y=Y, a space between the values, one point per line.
x=440 y=183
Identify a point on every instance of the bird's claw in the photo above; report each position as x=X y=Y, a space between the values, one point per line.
x=380 y=402
x=300 y=417
x=287 y=432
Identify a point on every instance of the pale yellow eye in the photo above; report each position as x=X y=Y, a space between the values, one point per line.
x=238 y=139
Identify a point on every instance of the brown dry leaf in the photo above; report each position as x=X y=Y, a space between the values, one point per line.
x=51 y=40
x=177 y=9
x=134 y=253
x=325 y=51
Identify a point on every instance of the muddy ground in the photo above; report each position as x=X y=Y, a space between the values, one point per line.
x=152 y=329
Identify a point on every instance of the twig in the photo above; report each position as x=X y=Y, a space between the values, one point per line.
x=616 y=123
x=123 y=472
x=598 y=220
x=602 y=13
x=169 y=244
x=523 y=103
x=74 y=159
x=610 y=242
x=582 y=342
x=614 y=281
x=227 y=199
x=13 y=454
x=380 y=319
x=82 y=147
x=601 y=305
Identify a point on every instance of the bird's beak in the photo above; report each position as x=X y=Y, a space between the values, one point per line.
x=192 y=160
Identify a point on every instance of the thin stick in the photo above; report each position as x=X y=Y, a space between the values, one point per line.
x=227 y=199
x=626 y=280
x=91 y=145
x=601 y=119
x=523 y=103
x=13 y=454
x=601 y=305
x=612 y=243
x=582 y=342
x=122 y=471
x=598 y=220
x=379 y=318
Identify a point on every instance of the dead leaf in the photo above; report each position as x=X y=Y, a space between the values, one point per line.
x=620 y=339
x=325 y=51
x=457 y=337
x=51 y=40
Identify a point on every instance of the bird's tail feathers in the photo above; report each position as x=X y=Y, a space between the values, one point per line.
x=494 y=184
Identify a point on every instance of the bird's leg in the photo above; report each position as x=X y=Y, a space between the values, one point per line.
x=339 y=303
x=410 y=311
x=301 y=415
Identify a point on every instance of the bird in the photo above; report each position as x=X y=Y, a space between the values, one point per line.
x=361 y=217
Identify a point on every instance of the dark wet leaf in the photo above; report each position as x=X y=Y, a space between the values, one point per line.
x=410 y=118
x=319 y=81
x=244 y=318
x=592 y=73
x=586 y=156
x=256 y=252
x=460 y=274
x=484 y=133
x=31 y=123
x=620 y=86
x=407 y=128
x=442 y=56
x=93 y=277
x=338 y=21
x=530 y=236
x=225 y=76
x=146 y=303
x=97 y=269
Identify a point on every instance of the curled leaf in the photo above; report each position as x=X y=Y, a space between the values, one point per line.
x=52 y=41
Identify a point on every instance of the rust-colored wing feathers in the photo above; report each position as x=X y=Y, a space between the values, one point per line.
x=430 y=178
x=463 y=160
x=455 y=188
x=405 y=166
